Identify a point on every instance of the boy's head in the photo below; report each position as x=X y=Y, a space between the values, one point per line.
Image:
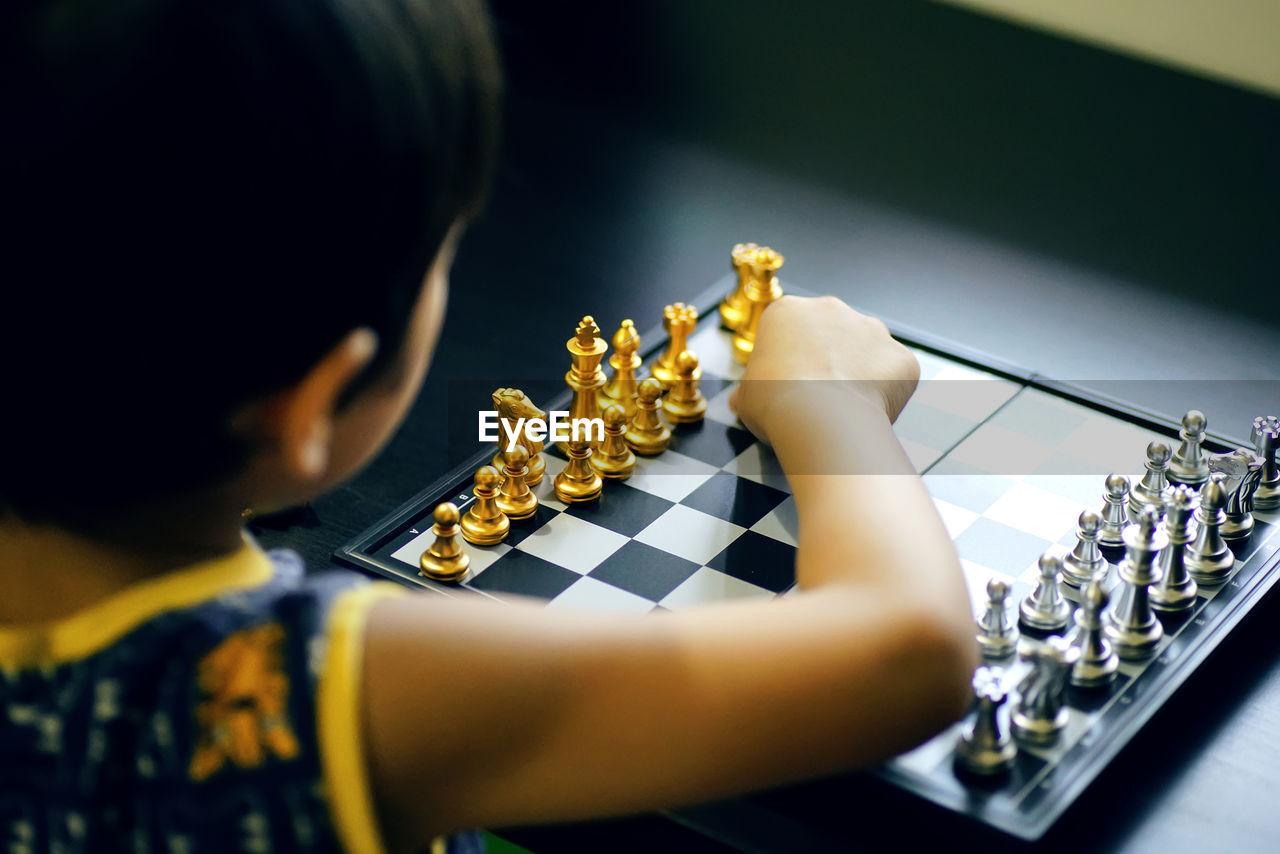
x=201 y=201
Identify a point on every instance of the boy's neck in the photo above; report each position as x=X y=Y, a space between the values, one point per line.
x=49 y=573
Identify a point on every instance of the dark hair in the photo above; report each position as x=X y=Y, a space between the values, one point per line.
x=200 y=199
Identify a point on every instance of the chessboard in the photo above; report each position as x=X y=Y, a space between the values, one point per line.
x=1011 y=460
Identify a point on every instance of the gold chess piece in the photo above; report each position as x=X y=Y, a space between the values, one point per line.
x=483 y=523
x=585 y=377
x=613 y=459
x=578 y=481
x=511 y=404
x=515 y=498
x=735 y=307
x=445 y=560
x=762 y=291
x=678 y=321
x=684 y=403
x=625 y=361
x=648 y=435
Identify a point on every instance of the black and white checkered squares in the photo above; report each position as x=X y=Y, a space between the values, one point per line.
x=684 y=530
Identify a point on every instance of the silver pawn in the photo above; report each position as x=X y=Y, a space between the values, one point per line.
x=1114 y=516
x=997 y=635
x=1209 y=559
x=1265 y=435
x=1085 y=563
x=1243 y=470
x=1189 y=465
x=1131 y=626
x=1149 y=492
x=1176 y=590
x=985 y=746
x=1040 y=715
x=1098 y=662
x=1044 y=610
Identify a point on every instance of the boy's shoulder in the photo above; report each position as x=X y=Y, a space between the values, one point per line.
x=215 y=708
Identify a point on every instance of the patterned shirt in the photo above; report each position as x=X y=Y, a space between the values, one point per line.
x=212 y=709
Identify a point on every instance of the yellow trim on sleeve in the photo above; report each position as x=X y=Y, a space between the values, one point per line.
x=86 y=632
x=338 y=717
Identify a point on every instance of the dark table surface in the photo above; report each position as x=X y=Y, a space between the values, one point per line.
x=606 y=206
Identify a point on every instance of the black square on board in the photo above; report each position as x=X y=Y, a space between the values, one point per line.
x=621 y=508
x=711 y=385
x=644 y=570
x=522 y=528
x=525 y=574
x=710 y=441
x=734 y=499
x=763 y=561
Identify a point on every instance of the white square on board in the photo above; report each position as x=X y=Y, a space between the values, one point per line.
x=999 y=451
x=782 y=523
x=714 y=348
x=1109 y=445
x=708 y=586
x=967 y=392
x=690 y=534
x=671 y=476
x=718 y=408
x=954 y=519
x=757 y=463
x=590 y=594
x=1035 y=511
x=572 y=543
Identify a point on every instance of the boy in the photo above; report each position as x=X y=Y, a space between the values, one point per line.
x=232 y=230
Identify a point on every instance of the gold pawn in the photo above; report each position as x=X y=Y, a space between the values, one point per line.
x=735 y=306
x=762 y=291
x=578 y=481
x=613 y=459
x=685 y=404
x=515 y=499
x=483 y=523
x=445 y=560
x=648 y=435
x=625 y=361
x=679 y=321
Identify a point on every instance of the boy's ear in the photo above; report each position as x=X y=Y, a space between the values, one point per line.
x=299 y=420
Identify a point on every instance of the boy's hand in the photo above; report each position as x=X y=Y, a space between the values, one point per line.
x=808 y=351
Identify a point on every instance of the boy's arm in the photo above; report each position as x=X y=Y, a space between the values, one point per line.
x=485 y=715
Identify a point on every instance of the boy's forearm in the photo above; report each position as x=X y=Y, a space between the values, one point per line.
x=865 y=516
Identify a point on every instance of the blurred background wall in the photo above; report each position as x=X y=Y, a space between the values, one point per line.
x=1142 y=170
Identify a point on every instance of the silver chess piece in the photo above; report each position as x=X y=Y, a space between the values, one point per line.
x=997 y=634
x=1243 y=471
x=1149 y=492
x=1098 y=662
x=1209 y=559
x=1115 y=518
x=1085 y=563
x=1265 y=435
x=1132 y=627
x=986 y=746
x=1176 y=590
x=1189 y=465
x=1040 y=715
x=1045 y=610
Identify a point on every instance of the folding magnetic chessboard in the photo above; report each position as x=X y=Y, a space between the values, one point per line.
x=1010 y=460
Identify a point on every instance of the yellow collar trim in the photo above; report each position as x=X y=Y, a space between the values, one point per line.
x=101 y=624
